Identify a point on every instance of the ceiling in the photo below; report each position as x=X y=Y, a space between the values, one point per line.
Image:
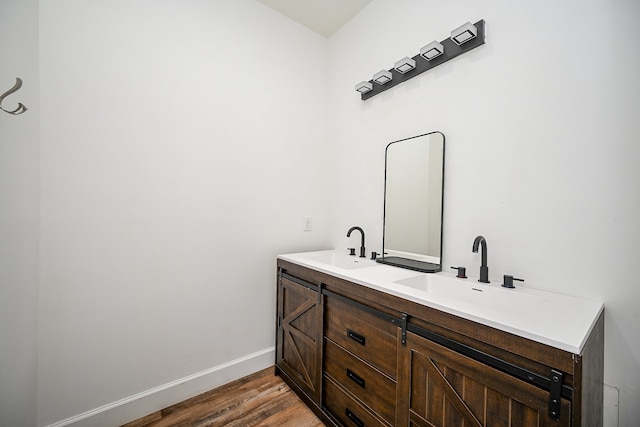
x=322 y=16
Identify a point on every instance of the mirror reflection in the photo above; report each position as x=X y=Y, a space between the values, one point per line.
x=414 y=182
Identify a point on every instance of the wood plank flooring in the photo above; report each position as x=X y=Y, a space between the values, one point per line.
x=259 y=399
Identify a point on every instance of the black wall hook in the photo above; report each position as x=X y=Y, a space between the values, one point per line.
x=16 y=87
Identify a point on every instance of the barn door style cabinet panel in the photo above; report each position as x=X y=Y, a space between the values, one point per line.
x=299 y=334
x=361 y=356
x=449 y=389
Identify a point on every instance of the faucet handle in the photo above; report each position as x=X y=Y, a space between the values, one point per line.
x=462 y=272
x=352 y=251
x=508 y=281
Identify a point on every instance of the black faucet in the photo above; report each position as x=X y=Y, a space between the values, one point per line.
x=362 y=249
x=484 y=270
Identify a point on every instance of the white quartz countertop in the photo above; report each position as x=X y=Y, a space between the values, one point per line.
x=560 y=321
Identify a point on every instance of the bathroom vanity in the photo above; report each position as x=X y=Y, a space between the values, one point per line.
x=366 y=344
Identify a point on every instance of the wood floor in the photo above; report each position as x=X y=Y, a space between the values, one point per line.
x=260 y=399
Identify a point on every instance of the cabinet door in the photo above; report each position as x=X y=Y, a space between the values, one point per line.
x=299 y=335
x=445 y=388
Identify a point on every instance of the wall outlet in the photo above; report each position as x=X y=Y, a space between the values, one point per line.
x=308 y=223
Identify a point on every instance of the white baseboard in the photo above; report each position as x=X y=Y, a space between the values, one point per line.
x=141 y=404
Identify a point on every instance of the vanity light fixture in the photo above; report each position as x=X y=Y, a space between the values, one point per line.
x=464 y=33
x=432 y=50
x=405 y=65
x=364 y=87
x=382 y=77
x=463 y=39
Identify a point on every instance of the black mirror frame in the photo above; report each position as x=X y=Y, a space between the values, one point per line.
x=422 y=266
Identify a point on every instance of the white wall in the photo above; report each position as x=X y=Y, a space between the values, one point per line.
x=182 y=147
x=542 y=147
x=19 y=177
x=165 y=195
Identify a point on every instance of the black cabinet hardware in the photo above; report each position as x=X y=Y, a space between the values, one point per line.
x=360 y=339
x=357 y=421
x=355 y=378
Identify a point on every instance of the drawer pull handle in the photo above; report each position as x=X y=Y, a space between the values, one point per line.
x=355 y=378
x=357 y=421
x=356 y=337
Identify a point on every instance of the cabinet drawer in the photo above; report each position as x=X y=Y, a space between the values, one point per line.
x=370 y=338
x=373 y=388
x=347 y=410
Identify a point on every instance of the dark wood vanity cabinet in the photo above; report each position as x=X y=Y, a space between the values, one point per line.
x=360 y=362
x=360 y=357
x=446 y=388
x=299 y=334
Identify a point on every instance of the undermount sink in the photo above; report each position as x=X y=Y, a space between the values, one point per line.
x=491 y=297
x=339 y=260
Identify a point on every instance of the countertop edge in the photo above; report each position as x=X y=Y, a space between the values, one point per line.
x=573 y=347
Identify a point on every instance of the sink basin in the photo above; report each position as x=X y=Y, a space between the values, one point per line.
x=492 y=297
x=524 y=311
x=339 y=260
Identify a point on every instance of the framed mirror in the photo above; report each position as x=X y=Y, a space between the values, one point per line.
x=413 y=194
